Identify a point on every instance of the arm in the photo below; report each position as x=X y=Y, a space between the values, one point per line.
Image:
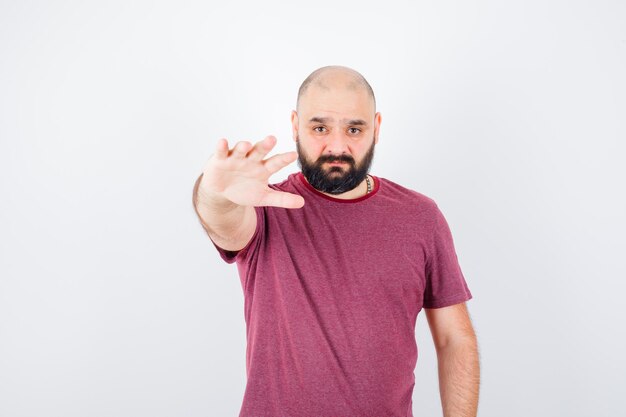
x=458 y=361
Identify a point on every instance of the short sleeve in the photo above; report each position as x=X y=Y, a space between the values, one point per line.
x=239 y=256
x=445 y=283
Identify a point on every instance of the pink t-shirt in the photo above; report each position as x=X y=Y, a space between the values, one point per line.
x=331 y=296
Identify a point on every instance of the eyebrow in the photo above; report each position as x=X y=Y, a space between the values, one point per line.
x=353 y=122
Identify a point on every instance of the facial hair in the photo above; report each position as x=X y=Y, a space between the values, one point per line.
x=337 y=179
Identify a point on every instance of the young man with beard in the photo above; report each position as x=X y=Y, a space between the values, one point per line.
x=335 y=265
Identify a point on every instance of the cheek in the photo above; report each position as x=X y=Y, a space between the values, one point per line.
x=358 y=150
x=315 y=150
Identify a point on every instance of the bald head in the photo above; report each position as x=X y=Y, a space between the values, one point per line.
x=335 y=77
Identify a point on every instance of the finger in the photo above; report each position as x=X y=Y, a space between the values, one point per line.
x=241 y=149
x=261 y=148
x=282 y=199
x=280 y=161
x=221 y=150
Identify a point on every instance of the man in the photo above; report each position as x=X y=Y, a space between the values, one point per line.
x=335 y=265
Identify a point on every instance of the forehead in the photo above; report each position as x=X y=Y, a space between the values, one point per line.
x=336 y=103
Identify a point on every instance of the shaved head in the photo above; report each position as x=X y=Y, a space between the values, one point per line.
x=335 y=76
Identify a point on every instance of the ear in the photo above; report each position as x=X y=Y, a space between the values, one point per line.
x=294 y=125
x=377 y=120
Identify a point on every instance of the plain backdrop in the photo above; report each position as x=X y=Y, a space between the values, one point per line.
x=510 y=115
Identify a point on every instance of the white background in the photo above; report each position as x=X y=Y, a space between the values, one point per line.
x=510 y=115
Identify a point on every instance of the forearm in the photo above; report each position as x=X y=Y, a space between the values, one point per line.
x=218 y=215
x=459 y=378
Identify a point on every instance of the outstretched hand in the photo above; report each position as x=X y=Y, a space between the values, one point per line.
x=241 y=175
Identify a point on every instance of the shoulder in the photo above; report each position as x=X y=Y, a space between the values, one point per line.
x=407 y=197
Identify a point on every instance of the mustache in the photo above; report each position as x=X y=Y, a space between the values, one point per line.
x=341 y=158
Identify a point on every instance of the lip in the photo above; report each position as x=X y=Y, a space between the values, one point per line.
x=337 y=163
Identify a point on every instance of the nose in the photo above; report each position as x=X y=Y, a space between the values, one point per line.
x=336 y=144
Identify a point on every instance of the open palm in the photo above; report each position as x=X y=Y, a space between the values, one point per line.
x=241 y=175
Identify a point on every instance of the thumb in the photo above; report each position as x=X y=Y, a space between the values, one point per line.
x=281 y=199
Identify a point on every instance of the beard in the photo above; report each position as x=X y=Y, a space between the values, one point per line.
x=337 y=179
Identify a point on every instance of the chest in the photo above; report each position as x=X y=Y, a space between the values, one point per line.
x=364 y=256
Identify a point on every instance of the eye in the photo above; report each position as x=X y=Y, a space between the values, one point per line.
x=354 y=128
x=318 y=127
